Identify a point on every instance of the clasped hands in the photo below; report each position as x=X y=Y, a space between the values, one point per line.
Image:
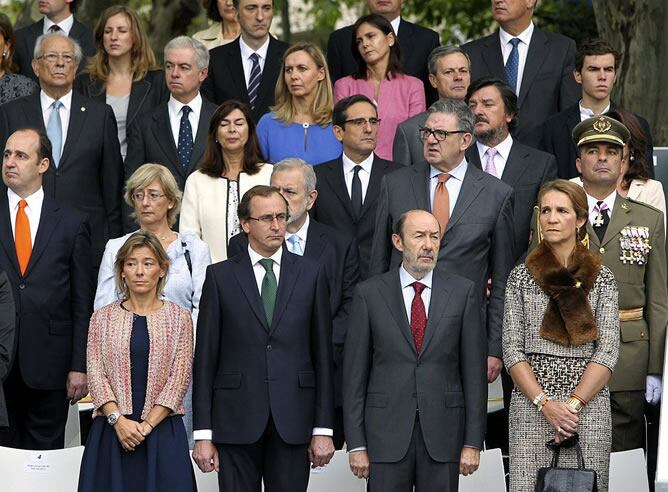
x=562 y=417
x=131 y=433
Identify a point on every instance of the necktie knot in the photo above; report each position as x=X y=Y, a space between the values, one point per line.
x=443 y=177
x=56 y=105
x=515 y=42
x=255 y=58
x=55 y=28
x=267 y=264
x=357 y=169
x=296 y=245
x=186 y=110
x=419 y=287
x=600 y=206
x=491 y=152
x=23 y=204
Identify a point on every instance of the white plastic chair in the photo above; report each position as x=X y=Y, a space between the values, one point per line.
x=489 y=477
x=628 y=471
x=45 y=471
x=336 y=477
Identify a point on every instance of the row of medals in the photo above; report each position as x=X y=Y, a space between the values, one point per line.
x=634 y=244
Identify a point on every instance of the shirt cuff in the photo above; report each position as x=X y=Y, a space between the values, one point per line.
x=323 y=431
x=359 y=448
x=203 y=435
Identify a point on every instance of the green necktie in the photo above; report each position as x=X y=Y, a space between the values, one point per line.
x=269 y=288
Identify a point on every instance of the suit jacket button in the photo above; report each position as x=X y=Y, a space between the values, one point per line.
x=22 y=286
x=57 y=173
x=602 y=251
x=268 y=348
x=642 y=334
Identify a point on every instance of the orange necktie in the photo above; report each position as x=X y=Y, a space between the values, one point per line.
x=441 y=208
x=22 y=237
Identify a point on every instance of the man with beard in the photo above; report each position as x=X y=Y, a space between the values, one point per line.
x=414 y=370
x=494 y=105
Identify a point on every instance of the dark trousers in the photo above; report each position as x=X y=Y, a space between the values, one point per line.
x=628 y=424
x=283 y=467
x=37 y=418
x=338 y=438
x=416 y=468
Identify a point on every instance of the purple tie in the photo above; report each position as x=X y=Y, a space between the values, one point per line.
x=490 y=168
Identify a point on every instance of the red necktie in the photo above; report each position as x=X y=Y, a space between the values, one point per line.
x=22 y=237
x=418 y=316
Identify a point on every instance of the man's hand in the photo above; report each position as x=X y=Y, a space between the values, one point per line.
x=205 y=455
x=469 y=461
x=77 y=386
x=359 y=463
x=494 y=366
x=320 y=451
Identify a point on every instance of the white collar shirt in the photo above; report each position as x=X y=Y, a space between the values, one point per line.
x=609 y=201
x=364 y=173
x=174 y=109
x=453 y=185
x=408 y=292
x=522 y=49
x=33 y=210
x=501 y=156
x=588 y=113
x=302 y=234
x=247 y=51
x=259 y=270
x=64 y=112
x=65 y=25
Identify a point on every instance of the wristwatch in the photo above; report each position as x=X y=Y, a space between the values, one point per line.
x=112 y=418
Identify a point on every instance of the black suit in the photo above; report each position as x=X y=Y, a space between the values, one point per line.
x=526 y=170
x=258 y=382
x=226 y=78
x=90 y=173
x=548 y=85
x=416 y=43
x=333 y=206
x=555 y=137
x=7 y=324
x=54 y=301
x=25 y=45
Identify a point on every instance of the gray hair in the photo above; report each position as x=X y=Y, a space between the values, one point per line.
x=186 y=42
x=295 y=163
x=38 y=51
x=440 y=51
x=464 y=115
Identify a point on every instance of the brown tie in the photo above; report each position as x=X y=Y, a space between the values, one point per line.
x=441 y=208
x=22 y=237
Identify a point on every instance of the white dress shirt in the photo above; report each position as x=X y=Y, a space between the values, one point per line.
x=64 y=112
x=174 y=108
x=522 y=48
x=588 y=113
x=609 y=201
x=395 y=25
x=501 y=156
x=408 y=291
x=246 y=52
x=302 y=234
x=364 y=173
x=33 y=210
x=65 y=25
x=453 y=185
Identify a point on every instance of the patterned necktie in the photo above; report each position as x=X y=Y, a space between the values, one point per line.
x=490 y=168
x=602 y=219
x=22 y=237
x=295 y=245
x=441 y=207
x=55 y=28
x=418 y=316
x=185 y=148
x=54 y=130
x=513 y=64
x=254 y=79
x=269 y=289
x=356 y=193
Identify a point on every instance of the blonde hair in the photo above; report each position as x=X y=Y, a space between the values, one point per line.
x=141 y=54
x=144 y=176
x=324 y=99
x=138 y=240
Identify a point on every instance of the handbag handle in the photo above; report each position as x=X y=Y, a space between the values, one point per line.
x=571 y=442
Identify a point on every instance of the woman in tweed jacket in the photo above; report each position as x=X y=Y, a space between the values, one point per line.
x=560 y=343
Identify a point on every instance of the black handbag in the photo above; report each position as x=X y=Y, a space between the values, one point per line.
x=556 y=479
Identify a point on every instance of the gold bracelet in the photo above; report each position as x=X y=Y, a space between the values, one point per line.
x=575 y=404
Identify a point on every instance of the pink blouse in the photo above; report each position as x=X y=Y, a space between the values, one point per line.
x=399 y=98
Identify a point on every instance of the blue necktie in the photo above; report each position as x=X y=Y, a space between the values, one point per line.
x=254 y=80
x=295 y=245
x=185 y=138
x=513 y=64
x=54 y=131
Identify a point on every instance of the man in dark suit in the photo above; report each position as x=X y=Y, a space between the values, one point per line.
x=7 y=329
x=348 y=187
x=450 y=74
x=475 y=211
x=494 y=105
x=87 y=170
x=416 y=43
x=537 y=64
x=335 y=251
x=247 y=68
x=175 y=133
x=45 y=251
x=596 y=63
x=58 y=17
x=415 y=398
x=263 y=398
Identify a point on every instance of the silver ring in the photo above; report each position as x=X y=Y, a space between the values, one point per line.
x=560 y=430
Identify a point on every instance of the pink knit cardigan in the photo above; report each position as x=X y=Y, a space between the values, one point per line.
x=169 y=365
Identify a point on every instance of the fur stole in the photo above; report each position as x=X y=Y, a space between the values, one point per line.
x=568 y=319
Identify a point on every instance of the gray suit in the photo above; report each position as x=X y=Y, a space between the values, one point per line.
x=386 y=382
x=408 y=149
x=478 y=241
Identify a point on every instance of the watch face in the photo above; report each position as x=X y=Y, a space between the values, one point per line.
x=112 y=418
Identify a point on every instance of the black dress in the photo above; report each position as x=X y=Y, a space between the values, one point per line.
x=159 y=464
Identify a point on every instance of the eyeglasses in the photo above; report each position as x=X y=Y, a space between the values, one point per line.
x=268 y=219
x=360 y=122
x=439 y=135
x=53 y=57
x=152 y=196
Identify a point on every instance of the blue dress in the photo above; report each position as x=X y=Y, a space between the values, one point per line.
x=159 y=464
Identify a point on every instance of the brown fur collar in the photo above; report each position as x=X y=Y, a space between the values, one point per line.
x=568 y=319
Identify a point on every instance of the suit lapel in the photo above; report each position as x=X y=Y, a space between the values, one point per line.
x=33 y=111
x=394 y=300
x=473 y=156
x=290 y=270
x=200 y=139
x=246 y=278
x=440 y=296
x=314 y=242
x=420 y=184
x=516 y=165
x=621 y=217
x=162 y=132
x=138 y=93
x=78 y=117
x=536 y=56
x=235 y=73
x=373 y=190
x=493 y=56
x=48 y=221
x=6 y=236
x=471 y=187
x=405 y=37
x=337 y=183
x=272 y=65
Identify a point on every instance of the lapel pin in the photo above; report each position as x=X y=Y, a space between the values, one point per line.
x=625 y=206
x=83 y=108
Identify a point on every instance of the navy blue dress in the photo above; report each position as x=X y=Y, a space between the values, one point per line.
x=159 y=464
